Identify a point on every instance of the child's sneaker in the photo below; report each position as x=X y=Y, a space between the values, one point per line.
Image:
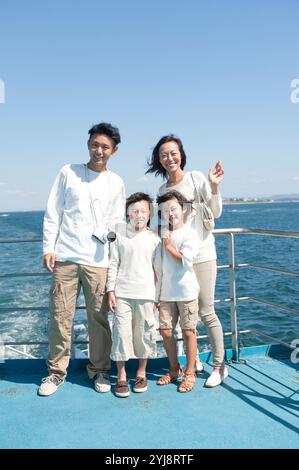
x=122 y=389
x=140 y=385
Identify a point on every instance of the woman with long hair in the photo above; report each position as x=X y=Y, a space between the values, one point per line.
x=168 y=160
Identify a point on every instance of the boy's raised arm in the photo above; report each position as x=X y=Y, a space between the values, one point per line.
x=170 y=248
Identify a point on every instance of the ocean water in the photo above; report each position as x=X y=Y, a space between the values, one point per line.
x=277 y=252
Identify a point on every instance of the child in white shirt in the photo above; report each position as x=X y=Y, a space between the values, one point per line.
x=132 y=293
x=179 y=288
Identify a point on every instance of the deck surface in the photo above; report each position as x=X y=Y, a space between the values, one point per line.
x=256 y=407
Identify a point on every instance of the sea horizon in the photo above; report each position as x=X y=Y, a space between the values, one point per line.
x=225 y=201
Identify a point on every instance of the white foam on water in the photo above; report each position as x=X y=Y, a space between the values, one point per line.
x=240 y=210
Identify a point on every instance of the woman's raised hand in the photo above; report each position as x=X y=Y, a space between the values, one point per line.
x=216 y=174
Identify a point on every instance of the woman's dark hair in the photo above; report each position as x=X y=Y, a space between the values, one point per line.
x=104 y=128
x=154 y=162
x=137 y=197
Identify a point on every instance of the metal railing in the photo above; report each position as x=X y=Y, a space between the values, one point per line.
x=232 y=266
x=233 y=299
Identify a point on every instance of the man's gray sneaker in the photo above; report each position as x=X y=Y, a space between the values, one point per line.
x=49 y=385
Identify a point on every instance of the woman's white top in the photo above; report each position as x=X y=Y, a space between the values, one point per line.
x=206 y=241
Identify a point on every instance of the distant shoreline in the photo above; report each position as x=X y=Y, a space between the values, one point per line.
x=228 y=202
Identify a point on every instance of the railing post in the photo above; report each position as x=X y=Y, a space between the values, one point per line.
x=232 y=290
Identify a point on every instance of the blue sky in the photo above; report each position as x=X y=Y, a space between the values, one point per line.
x=216 y=73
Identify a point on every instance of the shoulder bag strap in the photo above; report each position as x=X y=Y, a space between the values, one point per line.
x=198 y=190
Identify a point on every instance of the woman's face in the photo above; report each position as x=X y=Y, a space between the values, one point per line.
x=170 y=157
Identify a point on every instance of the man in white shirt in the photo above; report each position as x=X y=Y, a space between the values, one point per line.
x=85 y=204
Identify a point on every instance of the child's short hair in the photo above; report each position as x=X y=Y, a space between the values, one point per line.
x=137 y=197
x=173 y=195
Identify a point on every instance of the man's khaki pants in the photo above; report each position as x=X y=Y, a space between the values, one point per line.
x=66 y=284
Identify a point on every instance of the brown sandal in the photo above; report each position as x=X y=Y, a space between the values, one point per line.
x=170 y=377
x=187 y=383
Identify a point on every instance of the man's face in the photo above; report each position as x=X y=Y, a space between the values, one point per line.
x=100 y=148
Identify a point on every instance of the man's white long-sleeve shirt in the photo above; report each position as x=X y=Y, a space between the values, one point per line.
x=69 y=220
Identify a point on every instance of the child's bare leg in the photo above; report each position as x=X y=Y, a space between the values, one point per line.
x=170 y=348
x=189 y=377
x=121 y=371
x=191 y=350
x=198 y=363
x=141 y=371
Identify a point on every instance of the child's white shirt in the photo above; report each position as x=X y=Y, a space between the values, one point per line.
x=178 y=281
x=133 y=257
